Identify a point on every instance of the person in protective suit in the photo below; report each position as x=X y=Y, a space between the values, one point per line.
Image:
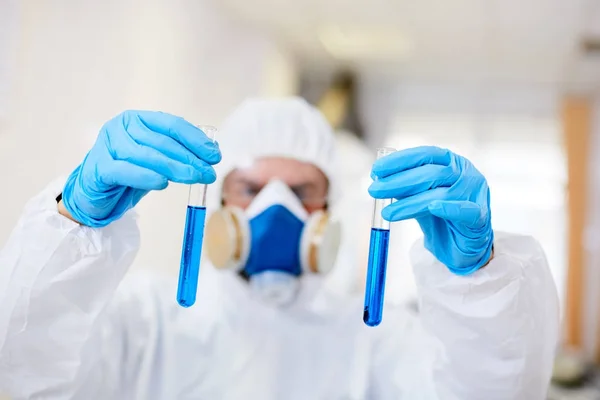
x=265 y=325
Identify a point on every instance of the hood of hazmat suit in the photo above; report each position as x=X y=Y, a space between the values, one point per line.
x=289 y=128
x=73 y=327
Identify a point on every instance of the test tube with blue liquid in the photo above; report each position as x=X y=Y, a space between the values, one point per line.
x=193 y=237
x=378 y=254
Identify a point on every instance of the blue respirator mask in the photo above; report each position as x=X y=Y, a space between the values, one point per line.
x=273 y=242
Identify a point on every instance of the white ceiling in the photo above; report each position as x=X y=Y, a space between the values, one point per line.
x=512 y=41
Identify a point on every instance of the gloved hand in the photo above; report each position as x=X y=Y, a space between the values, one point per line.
x=448 y=197
x=137 y=151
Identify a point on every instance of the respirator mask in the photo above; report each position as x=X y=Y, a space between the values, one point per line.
x=273 y=242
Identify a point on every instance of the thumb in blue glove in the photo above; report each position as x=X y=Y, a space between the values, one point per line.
x=447 y=196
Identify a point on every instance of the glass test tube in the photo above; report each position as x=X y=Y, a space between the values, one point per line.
x=378 y=253
x=193 y=237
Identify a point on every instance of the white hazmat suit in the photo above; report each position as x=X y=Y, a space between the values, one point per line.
x=71 y=326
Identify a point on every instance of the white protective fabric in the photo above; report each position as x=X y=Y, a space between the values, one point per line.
x=70 y=330
x=288 y=127
x=354 y=210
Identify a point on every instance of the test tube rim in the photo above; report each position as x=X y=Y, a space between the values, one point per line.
x=209 y=130
x=385 y=151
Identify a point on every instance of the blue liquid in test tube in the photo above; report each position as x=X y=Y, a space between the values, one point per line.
x=193 y=236
x=378 y=253
x=190 y=255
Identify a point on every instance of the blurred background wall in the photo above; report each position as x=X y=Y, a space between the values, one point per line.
x=512 y=85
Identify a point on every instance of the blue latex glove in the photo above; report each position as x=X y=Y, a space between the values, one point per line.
x=447 y=196
x=137 y=151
